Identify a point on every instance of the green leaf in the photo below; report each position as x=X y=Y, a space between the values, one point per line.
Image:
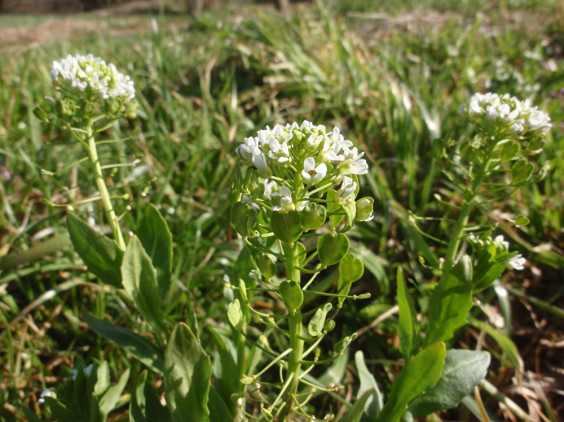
x=100 y=254
x=450 y=303
x=240 y=217
x=157 y=241
x=462 y=372
x=40 y=114
x=286 y=226
x=509 y=150
x=521 y=220
x=292 y=294
x=351 y=269
x=112 y=395
x=317 y=322
x=267 y=266
x=350 y=212
x=486 y=273
x=187 y=376
x=419 y=374
x=225 y=371
x=521 y=171
x=313 y=216
x=374 y=403
x=408 y=327
x=511 y=354
x=342 y=344
x=138 y=346
x=234 y=314
x=75 y=399
x=219 y=411
x=145 y=405
x=332 y=247
x=334 y=209
x=140 y=282
x=355 y=413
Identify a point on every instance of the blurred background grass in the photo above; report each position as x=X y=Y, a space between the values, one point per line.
x=391 y=75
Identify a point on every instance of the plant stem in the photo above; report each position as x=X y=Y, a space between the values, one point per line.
x=295 y=330
x=457 y=234
x=102 y=188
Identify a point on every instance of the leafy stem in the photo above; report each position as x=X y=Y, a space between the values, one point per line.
x=454 y=243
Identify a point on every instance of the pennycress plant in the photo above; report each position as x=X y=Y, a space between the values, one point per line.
x=294 y=200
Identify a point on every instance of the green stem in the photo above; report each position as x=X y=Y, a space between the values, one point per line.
x=295 y=330
x=457 y=234
x=104 y=194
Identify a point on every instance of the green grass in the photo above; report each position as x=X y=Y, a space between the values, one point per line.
x=203 y=88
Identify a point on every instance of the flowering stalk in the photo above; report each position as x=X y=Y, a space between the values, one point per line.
x=299 y=178
x=91 y=95
x=509 y=130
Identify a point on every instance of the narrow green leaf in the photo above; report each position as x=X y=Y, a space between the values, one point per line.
x=511 y=354
x=450 y=303
x=157 y=241
x=187 y=376
x=140 y=347
x=110 y=398
x=462 y=372
x=354 y=414
x=145 y=405
x=374 y=403
x=419 y=374
x=225 y=369
x=140 y=282
x=408 y=328
x=60 y=412
x=100 y=254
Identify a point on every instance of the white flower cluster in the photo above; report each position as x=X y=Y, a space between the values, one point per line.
x=92 y=75
x=506 y=112
x=306 y=153
x=501 y=246
x=309 y=144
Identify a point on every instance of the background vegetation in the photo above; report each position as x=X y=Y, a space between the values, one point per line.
x=389 y=75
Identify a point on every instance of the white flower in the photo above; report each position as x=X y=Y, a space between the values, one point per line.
x=45 y=393
x=92 y=74
x=353 y=162
x=282 y=200
x=507 y=113
x=312 y=174
x=345 y=193
x=248 y=149
x=517 y=262
x=365 y=209
x=279 y=151
x=259 y=161
x=500 y=243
